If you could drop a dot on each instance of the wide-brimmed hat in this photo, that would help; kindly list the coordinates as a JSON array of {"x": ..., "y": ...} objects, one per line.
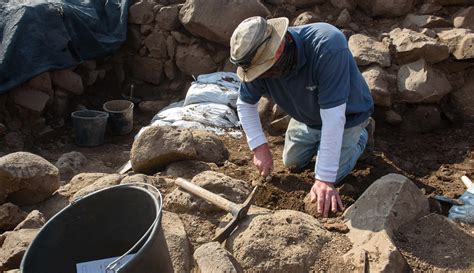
[{"x": 254, "y": 43}]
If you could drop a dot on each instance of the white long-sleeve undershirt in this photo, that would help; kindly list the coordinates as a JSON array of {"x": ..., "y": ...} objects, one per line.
[{"x": 333, "y": 121}]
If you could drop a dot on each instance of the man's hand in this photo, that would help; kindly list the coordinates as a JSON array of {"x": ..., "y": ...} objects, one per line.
[
  {"x": 262, "y": 159},
  {"x": 327, "y": 197}
]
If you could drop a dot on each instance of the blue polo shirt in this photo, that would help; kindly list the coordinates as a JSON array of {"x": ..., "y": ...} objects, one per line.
[{"x": 326, "y": 76}]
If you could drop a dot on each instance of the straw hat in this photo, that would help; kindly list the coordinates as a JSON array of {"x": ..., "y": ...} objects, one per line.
[{"x": 254, "y": 43}]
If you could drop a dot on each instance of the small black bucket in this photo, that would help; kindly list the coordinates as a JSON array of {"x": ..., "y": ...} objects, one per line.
[
  {"x": 121, "y": 116},
  {"x": 89, "y": 127},
  {"x": 112, "y": 222}
]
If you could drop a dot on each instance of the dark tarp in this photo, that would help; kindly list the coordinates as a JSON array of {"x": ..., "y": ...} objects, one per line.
[{"x": 41, "y": 35}]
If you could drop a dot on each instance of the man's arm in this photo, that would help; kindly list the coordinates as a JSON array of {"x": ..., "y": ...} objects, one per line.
[{"x": 250, "y": 120}]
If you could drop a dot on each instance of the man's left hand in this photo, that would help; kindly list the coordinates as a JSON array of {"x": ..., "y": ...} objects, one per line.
[{"x": 327, "y": 197}]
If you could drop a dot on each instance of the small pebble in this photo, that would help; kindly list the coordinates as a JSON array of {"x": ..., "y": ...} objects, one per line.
[{"x": 337, "y": 227}]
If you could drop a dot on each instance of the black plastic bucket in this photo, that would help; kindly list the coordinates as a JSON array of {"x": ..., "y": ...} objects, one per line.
[
  {"x": 112, "y": 222},
  {"x": 89, "y": 127},
  {"x": 121, "y": 116}
]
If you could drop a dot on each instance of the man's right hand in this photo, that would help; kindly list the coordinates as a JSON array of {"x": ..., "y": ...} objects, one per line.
[{"x": 262, "y": 159}]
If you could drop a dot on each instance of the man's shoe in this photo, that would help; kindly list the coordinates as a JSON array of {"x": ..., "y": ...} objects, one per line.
[{"x": 369, "y": 147}]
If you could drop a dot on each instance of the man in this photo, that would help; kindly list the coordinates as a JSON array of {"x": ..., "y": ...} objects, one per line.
[{"x": 310, "y": 73}]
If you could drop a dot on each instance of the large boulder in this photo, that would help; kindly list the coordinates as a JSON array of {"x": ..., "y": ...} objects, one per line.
[
  {"x": 68, "y": 80},
  {"x": 416, "y": 22},
  {"x": 167, "y": 17},
  {"x": 215, "y": 20},
  {"x": 375, "y": 77},
  {"x": 464, "y": 18},
  {"x": 209, "y": 148},
  {"x": 463, "y": 99},
  {"x": 420, "y": 83},
  {"x": 213, "y": 257},
  {"x": 282, "y": 241},
  {"x": 157, "y": 146},
  {"x": 367, "y": 50},
  {"x": 30, "y": 98},
  {"x": 177, "y": 242},
  {"x": 459, "y": 42},
  {"x": 156, "y": 44},
  {"x": 13, "y": 246},
  {"x": 411, "y": 46},
  {"x": 26, "y": 178},
  {"x": 10, "y": 216},
  {"x": 194, "y": 60},
  {"x": 234, "y": 190},
  {"x": 386, "y": 8}
]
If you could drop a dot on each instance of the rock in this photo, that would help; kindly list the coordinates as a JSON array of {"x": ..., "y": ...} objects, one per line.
[
  {"x": 366, "y": 50},
  {"x": 281, "y": 124},
  {"x": 424, "y": 119},
  {"x": 79, "y": 182},
  {"x": 344, "y": 19},
  {"x": 141, "y": 12},
  {"x": 156, "y": 44},
  {"x": 167, "y": 17},
  {"x": 140, "y": 178},
  {"x": 418, "y": 82},
  {"x": 14, "y": 246},
  {"x": 101, "y": 183},
  {"x": 453, "y": 2},
  {"x": 212, "y": 257},
  {"x": 181, "y": 37},
  {"x": 10, "y": 216},
  {"x": 177, "y": 241},
  {"x": 186, "y": 169},
  {"x": 194, "y": 60},
  {"x": 391, "y": 201},
  {"x": 375, "y": 77},
  {"x": 234, "y": 190},
  {"x": 411, "y": 46},
  {"x": 464, "y": 18},
  {"x": 34, "y": 220},
  {"x": 430, "y": 8},
  {"x": 392, "y": 117},
  {"x": 70, "y": 164},
  {"x": 158, "y": 146},
  {"x": 194, "y": 15},
  {"x": 27, "y": 178},
  {"x": 68, "y": 80},
  {"x": 463, "y": 99},
  {"x": 344, "y": 4},
  {"x": 171, "y": 70},
  {"x": 295, "y": 3},
  {"x": 459, "y": 42},
  {"x": 14, "y": 141},
  {"x": 41, "y": 82},
  {"x": 134, "y": 37},
  {"x": 336, "y": 227},
  {"x": 209, "y": 148},
  {"x": 152, "y": 106},
  {"x": 278, "y": 242},
  {"x": 306, "y": 17},
  {"x": 52, "y": 205},
  {"x": 171, "y": 47},
  {"x": 147, "y": 69},
  {"x": 30, "y": 99},
  {"x": 386, "y": 8},
  {"x": 3, "y": 129},
  {"x": 416, "y": 22}
]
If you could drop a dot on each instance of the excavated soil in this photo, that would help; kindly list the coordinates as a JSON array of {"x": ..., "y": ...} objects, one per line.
[{"x": 435, "y": 161}]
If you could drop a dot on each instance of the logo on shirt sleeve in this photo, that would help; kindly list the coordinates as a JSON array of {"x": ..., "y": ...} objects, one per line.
[{"x": 311, "y": 88}]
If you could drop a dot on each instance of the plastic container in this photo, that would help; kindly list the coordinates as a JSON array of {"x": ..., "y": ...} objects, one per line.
[
  {"x": 121, "y": 116},
  {"x": 89, "y": 127},
  {"x": 112, "y": 222}
]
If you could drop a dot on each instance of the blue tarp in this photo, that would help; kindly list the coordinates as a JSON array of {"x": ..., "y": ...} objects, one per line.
[{"x": 41, "y": 35}]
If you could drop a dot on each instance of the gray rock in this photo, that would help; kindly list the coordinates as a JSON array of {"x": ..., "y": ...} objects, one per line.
[
  {"x": 34, "y": 220},
  {"x": 70, "y": 164},
  {"x": 344, "y": 19},
  {"x": 171, "y": 70},
  {"x": 177, "y": 241},
  {"x": 415, "y": 22},
  {"x": 424, "y": 119},
  {"x": 171, "y": 47},
  {"x": 463, "y": 99},
  {"x": 158, "y": 146},
  {"x": 101, "y": 183},
  {"x": 288, "y": 249},
  {"x": 156, "y": 44},
  {"x": 68, "y": 80},
  {"x": 79, "y": 182},
  {"x": 234, "y": 190},
  {"x": 27, "y": 178},
  {"x": 30, "y": 99},
  {"x": 378, "y": 85},
  {"x": 167, "y": 17},
  {"x": 430, "y": 8},
  {"x": 386, "y": 8},
  {"x": 181, "y": 37},
  {"x": 212, "y": 257},
  {"x": 14, "y": 246},
  {"x": 459, "y": 42},
  {"x": 209, "y": 148},
  {"x": 186, "y": 169},
  {"x": 419, "y": 82},
  {"x": 10, "y": 216},
  {"x": 366, "y": 50},
  {"x": 195, "y": 16},
  {"x": 392, "y": 117},
  {"x": 141, "y": 12},
  {"x": 464, "y": 18},
  {"x": 147, "y": 69},
  {"x": 194, "y": 60},
  {"x": 306, "y": 17}
]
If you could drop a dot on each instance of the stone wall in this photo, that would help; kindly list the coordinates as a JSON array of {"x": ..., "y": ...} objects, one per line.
[{"x": 417, "y": 57}]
